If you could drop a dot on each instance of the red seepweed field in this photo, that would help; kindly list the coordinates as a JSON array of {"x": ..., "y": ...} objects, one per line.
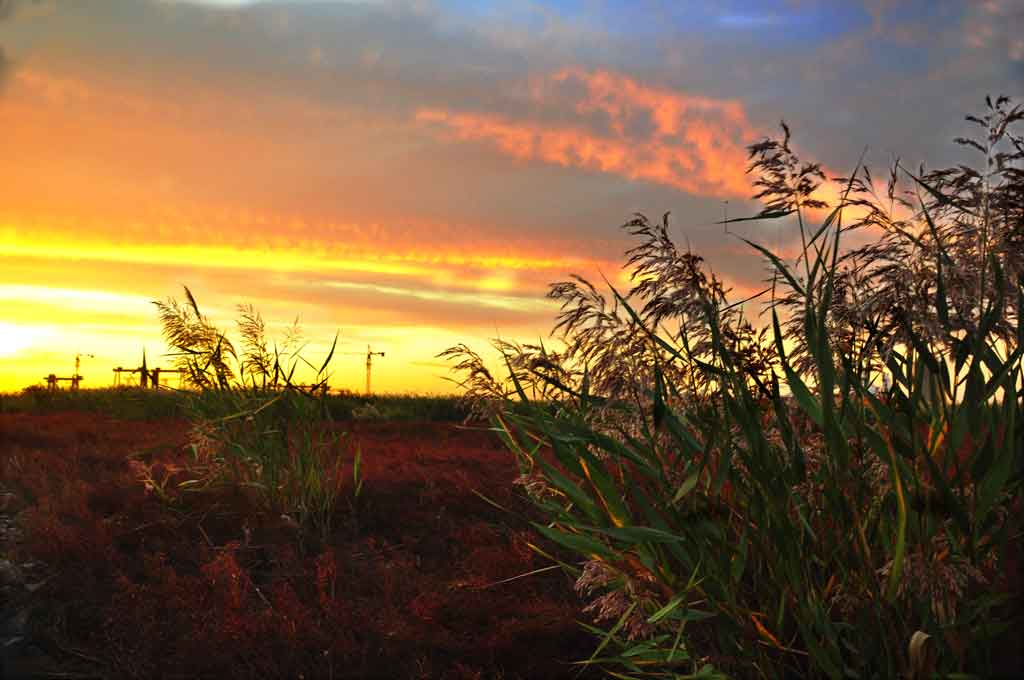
[{"x": 119, "y": 578}]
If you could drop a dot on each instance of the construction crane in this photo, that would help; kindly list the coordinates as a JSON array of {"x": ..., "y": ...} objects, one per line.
[
  {"x": 147, "y": 376},
  {"x": 52, "y": 380},
  {"x": 370, "y": 354},
  {"x": 77, "y": 377},
  {"x": 141, "y": 370}
]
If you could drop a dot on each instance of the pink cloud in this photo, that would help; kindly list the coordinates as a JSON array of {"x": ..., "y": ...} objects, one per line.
[{"x": 690, "y": 142}]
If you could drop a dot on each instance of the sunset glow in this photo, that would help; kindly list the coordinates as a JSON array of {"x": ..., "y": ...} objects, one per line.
[
  {"x": 14, "y": 338},
  {"x": 412, "y": 175}
]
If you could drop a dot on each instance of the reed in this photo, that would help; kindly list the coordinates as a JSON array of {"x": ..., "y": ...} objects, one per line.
[
  {"x": 253, "y": 426},
  {"x": 835, "y": 494}
]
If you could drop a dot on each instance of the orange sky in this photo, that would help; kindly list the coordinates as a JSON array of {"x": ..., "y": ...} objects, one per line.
[{"x": 411, "y": 175}]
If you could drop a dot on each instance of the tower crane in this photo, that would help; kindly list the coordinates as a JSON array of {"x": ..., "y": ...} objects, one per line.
[
  {"x": 370, "y": 354},
  {"x": 148, "y": 377},
  {"x": 141, "y": 370},
  {"x": 77, "y": 377},
  {"x": 52, "y": 380}
]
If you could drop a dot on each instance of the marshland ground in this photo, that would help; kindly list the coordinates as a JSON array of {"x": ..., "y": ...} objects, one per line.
[{"x": 123, "y": 572}]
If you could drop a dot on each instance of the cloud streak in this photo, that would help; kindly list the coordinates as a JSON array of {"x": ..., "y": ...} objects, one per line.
[
  {"x": 6, "y": 10},
  {"x": 689, "y": 142}
]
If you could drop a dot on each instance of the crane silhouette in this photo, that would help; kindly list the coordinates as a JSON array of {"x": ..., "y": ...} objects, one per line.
[
  {"x": 142, "y": 370},
  {"x": 77, "y": 377},
  {"x": 370, "y": 354},
  {"x": 148, "y": 377}
]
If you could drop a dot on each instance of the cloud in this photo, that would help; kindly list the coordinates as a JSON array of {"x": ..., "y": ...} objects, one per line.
[
  {"x": 686, "y": 141},
  {"x": 11, "y": 10},
  {"x": 5, "y": 67},
  {"x": 6, "y": 9},
  {"x": 433, "y": 165},
  {"x": 996, "y": 25}
]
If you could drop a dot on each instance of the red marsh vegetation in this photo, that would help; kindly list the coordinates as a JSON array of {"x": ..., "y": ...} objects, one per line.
[{"x": 133, "y": 576}]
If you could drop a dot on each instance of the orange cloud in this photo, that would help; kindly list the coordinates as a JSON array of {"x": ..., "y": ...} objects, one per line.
[{"x": 693, "y": 143}]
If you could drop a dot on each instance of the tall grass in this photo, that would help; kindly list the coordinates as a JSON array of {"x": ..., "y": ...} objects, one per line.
[
  {"x": 252, "y": 425},
  {"x": 833, "y": 495}
]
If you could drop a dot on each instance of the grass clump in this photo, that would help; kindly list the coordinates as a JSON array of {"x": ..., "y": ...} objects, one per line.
[
  {"x": 253, "y": 426},
  {"x": 834, "y": 495}
]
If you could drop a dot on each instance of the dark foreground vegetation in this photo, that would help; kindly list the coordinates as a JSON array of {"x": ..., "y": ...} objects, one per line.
[{"x": 834, "y": 495}]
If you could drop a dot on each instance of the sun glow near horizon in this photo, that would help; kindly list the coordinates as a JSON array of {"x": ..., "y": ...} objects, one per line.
[{"x": 15, "y": 338}]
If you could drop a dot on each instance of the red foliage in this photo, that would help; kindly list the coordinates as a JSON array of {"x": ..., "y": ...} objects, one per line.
[
  {"x": 228, "y": 582},
  {"x": 214, "y": 588}
]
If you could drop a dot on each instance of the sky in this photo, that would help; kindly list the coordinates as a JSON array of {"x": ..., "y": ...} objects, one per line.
[{"x": 411, "y": 174}]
